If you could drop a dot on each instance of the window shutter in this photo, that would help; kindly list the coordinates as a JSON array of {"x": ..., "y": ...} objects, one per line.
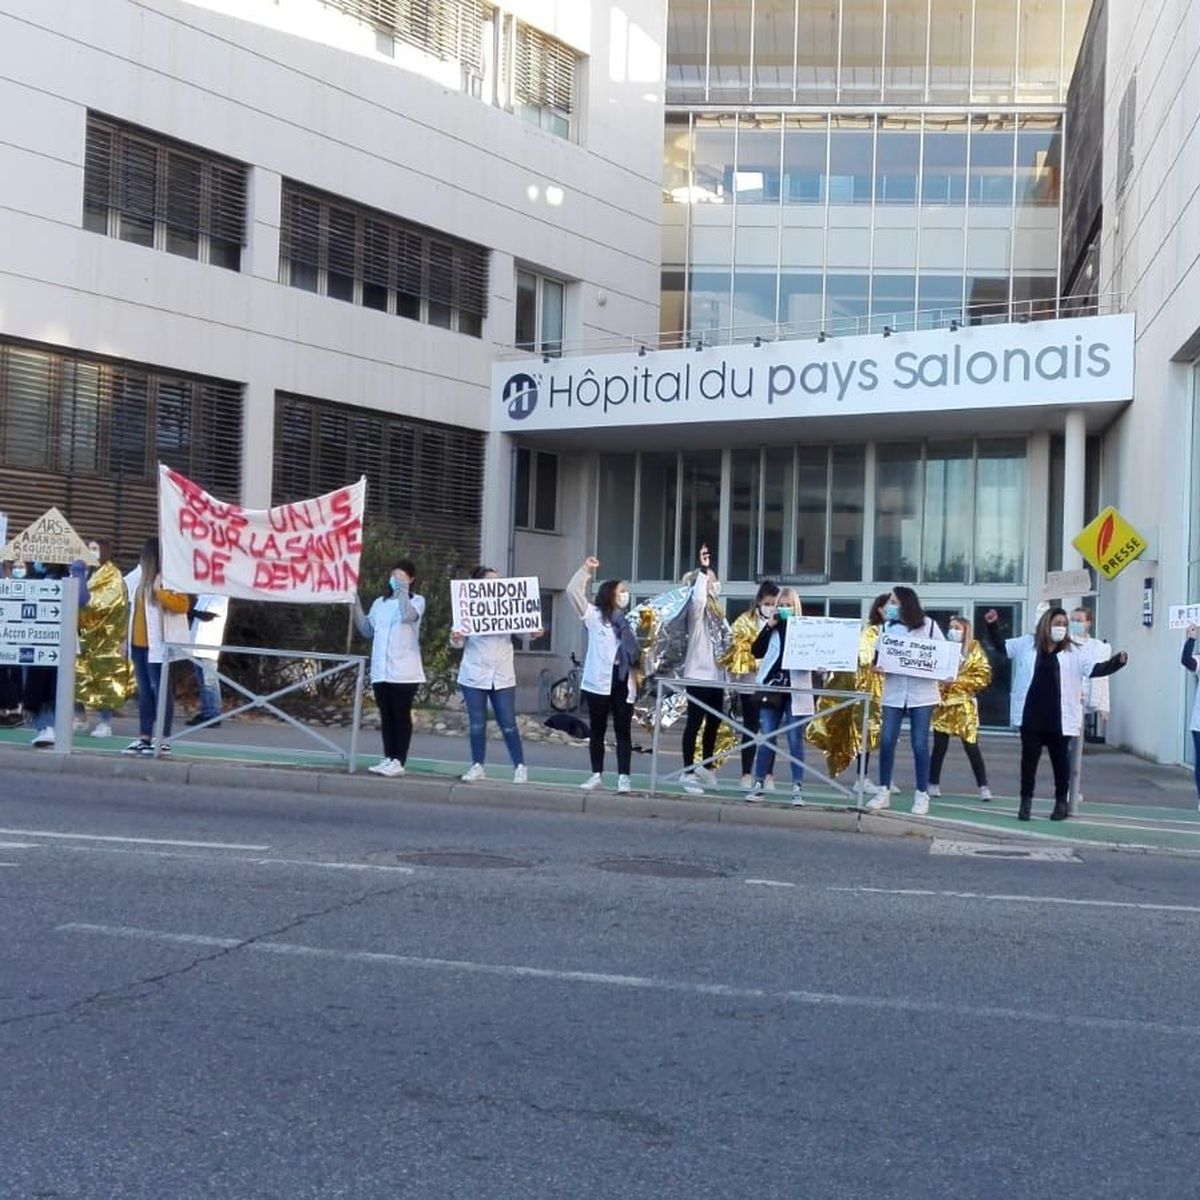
[
  {"x": 227, "y": 201},
  {"x": 98, "y": 174},
  {"x": 471, "y": 280},
  {"x": 544, "y": 71},
  {"x": 450, "y": 29},
  {"x": 300, "y": 229}
]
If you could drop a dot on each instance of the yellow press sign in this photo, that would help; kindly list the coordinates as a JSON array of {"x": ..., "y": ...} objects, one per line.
[{"x": 1110, "y": 543}]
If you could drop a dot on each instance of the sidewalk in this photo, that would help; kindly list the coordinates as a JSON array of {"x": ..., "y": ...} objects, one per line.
[{"x": 1127, "y": 802}]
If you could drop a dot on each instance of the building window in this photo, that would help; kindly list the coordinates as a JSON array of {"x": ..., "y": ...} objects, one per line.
[
  {"x": 147, "y": 189},
  {"x": 536, "y": 491},
  {"x": 423, "y": 478},
  {"x": 539, "y": 323},
  {"x": 451, "y": 30},
  {"x": 543, "y": 80},
  {"x": 85, "y": 434},
  {"x": 345, "y": 251}
]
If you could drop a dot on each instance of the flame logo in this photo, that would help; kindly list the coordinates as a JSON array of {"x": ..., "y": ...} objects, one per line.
[{"x": 1105, "y": 536}]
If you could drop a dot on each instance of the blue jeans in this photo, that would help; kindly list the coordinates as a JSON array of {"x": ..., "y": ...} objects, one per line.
[
  {"x": 1196, "y": 757},
  {"x": 918, "y": 729},
  {"x": 209, "y": 688},
  {"x": 769, "y": 720},
  {"x": 504, "y": 705},
  {"x": 148, "y": 675}
]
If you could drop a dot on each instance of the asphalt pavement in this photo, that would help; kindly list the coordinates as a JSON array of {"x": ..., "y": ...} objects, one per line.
[{"x": 233, "y": 993}]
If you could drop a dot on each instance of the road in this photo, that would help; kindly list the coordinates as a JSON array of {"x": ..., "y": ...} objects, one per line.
[{"x": 239, "y": 994}]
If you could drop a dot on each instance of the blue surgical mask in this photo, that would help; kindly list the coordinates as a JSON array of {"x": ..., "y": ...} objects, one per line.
[
  {"x": 1078, "y": 629},
  {"x": 891, "y": 612},
  {"x": 394, "y": 583},
  {"x": 18, "y": 572},
  {"x": 784, "y": 612}
]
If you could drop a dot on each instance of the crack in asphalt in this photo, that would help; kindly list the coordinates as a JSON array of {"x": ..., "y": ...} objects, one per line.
[{"x": 159, "y": 980}]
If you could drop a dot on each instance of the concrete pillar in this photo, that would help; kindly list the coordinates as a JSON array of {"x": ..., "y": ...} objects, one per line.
[
  {"x": 1074, "y": 469},
  {"x": 258, "y": 443},
  {"x": 497, "y": 533}
]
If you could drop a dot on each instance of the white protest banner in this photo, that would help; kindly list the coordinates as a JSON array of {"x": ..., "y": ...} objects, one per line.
[
  {"x": 1180, "y": 616},
  {"x": 923, "y": 658},
  {"x": 50, "y": 539},
  {"x": 302, "y": 553},
  {"x": 1067, "y": 583},
  {"x": 821, "y": 644},
  {"x": 496, "y": 605}
]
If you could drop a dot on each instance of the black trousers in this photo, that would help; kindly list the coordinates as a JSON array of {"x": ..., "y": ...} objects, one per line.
[
  {"x": 714, "y": 697},
  {"x": 395, "y": 701},
  {"x": 1059, "y": 748},
  {"x": 750, "y": 711},
  {"x": 941, "y": 743},
  {"x": 616, "y": 704}
]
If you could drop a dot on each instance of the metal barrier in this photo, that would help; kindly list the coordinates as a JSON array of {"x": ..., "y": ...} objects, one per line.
[
  {"x": 756, "y": 738},
  {"x": 185, "y": 652}
]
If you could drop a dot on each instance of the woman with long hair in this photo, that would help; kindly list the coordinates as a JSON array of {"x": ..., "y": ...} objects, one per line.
[
  {"x": 906, "y": 694},
  {"x": 1051, "y": 667},
  {"x": 394, "y": 627},
  {"x": 157, "y": 616},
  {"x": 485, "y": 674},
  {"x": 958, "y": 713},
  {"x": 743, "y": 666},
  {"x": 700, "y": 662},
  {"x": 609, "y": 669}
]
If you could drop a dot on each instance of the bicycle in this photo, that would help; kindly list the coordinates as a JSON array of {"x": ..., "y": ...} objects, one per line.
[{"x": 565, "y": 694}]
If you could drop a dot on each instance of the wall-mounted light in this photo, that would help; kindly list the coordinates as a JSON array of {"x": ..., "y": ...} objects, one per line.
[
  {"x": 821, "y": 336},
  {"x": 954, "y": 326},
  {"x": 887, "y": 331},
  {"x": 757, "y": 342},
  {"x": 641, "y": 352},
  {"x": 699, "y": 345},
  {"x": 545, "y": 358}
]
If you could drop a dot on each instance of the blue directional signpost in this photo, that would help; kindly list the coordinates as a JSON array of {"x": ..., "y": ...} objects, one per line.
[{"x": 31, "y": 612}]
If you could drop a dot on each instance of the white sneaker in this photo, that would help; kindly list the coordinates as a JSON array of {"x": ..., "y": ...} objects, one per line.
[
  {"x": 746, "y": 781},
  {"x": 103, "y": 729},
  {"x": 393, "y": 768},
  {"x": 44, "y": 737},
  {"x": 521, "y": 774},
  {"x": 769, "y": 783},
  {"x": 985, "y": 793},
  {"x": 881, "y": 799},
  {"x": 797, "y": 796},
  {"x": 690, "y": 782},
  {"x": 475, "y": 774},
  {"x": 935, "y": 789},
  {"x": 755, "y": 794},
  {"x": 705, "y": 776},
  {"x": 381, "y": 767},
  {"x": 623, "y": 784},
  {"x": 920, "y": 804},
  {"x": 896, "y": 789},
  {"x": 79, "y": 724},
  {"x": 593, "y": 781}
]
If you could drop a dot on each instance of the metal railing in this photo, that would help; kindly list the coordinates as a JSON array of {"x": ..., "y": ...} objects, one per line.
[
  {"x": 186, "y": 652},
  {"x": 665, "y": 688}
]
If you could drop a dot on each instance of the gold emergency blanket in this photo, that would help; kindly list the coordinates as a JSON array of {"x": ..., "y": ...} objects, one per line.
[
  {"x": 102, "y": 673},
  {"x": 958, "y": 713},
  {"x": 839, "y": 735},
  {"x": 738, "y": 660}
]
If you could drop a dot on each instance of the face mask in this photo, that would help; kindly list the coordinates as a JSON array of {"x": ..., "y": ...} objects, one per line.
[
  {"x": 18, "y": 572},
  {"x": 1058, "y": 633},
  {"x": 1078, "y": 629},
  {"x": 767, "y": 610},
  {"x": 891, "y": 612},
  {"x": 784, "y": 611},
  {"x": 954, "y": 634},
  {"x": 394, "y": 583},
  {"x": 622, "y": 599},
  {"x": 39, "y": 568}
]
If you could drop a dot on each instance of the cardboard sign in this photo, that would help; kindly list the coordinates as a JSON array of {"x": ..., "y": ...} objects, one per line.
[
  {"x": 496, "y": 605},
  {"x": 302, "y": 553},
  {"x": 923, "y": 658},
  {"x": 1109, "y": 543},
  {"x": 821, "y": 644},
  {"x": 1180, "y": 616},
  {"x": 50, "y": 539},
  {"x": 1067, "y": 583}
]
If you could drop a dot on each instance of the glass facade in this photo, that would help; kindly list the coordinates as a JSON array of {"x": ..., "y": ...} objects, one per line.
[{"x": 817, "y": 175}]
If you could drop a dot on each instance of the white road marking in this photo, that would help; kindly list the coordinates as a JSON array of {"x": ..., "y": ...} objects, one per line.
[
  {"x": 237, "y": 858},
  {"x": 18, "y": 846},
  {"x": 771, "y": 883},
  {"x": 4, "y": 864},
  {"x": 1003, "y": 898},
  {"x": 1024, "y": 853},
  {"x": 139, "y": 841},
  {"x": 835, "y": 1000}
]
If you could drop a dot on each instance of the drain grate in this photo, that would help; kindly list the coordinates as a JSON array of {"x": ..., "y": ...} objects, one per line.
[
  {"x": 660, "y": 868},
  {"x": 465, "y": 859}
]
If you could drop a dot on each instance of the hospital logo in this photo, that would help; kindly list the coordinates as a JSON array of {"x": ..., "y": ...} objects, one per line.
[{"x": 520, "y": 395}]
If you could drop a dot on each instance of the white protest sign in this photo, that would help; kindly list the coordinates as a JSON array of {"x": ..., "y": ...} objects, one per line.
[
  {"x": 1067, "y": 583},
  {"x": 496, "y": 605},
  {"x": 924, "y": 658},
  {"x": 821, "y": 644},
  {"x": 1180, "y": 616},
  {"x": 50, "y": 539},
  {"x": 302, "y": 553}
]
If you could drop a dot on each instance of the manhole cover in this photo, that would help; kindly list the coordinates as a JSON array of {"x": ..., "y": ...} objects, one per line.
[
  {"x": 661, "y": 868},
  {"x": 462, "y": 858},
  {"x": 1036, "y": 853}
]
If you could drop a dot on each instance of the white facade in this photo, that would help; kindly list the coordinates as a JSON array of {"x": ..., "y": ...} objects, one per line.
[
  {"x": 1151, "y": 252},
  {"x": 295, "y": 90}
]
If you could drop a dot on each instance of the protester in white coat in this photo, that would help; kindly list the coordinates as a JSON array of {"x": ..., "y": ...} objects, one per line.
[{"x": 209, "y": 615}]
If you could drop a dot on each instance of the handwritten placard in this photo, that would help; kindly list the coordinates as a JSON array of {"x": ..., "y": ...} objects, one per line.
[
  {"x": 302, "y": 553},
  {"x": 821, "y": 644},
  {"x": 496, "y": 605},
  {"x": 923, "y": 658},
  {"x": 1180, "y": 616}
]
